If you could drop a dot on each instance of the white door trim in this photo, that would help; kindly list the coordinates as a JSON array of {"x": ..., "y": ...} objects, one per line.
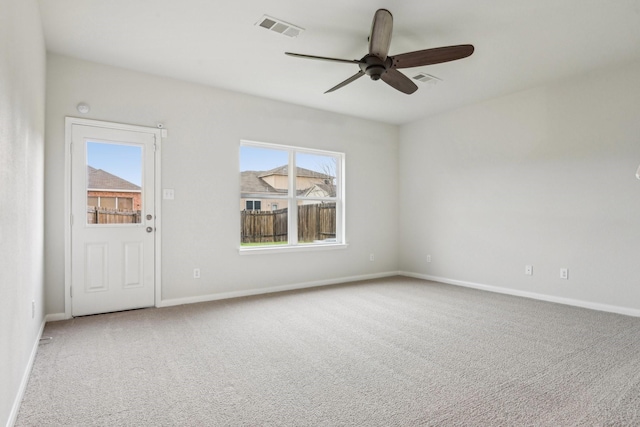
[{"x": 69, "y": 122}]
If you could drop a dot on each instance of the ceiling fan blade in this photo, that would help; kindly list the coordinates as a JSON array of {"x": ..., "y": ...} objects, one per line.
[
  {"x": 432, "y": 56},
  {"x": 346, "y": 82},
  {"x": 380, "y": 37},
  {"x": 322, "y": 58},
  {"x": 399, "y": 81}
]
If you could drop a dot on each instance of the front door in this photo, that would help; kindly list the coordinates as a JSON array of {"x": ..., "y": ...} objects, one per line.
[{"x": 113, "y": 219}]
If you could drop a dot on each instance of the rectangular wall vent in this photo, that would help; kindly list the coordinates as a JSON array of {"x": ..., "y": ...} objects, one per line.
[
  {"x": 426, "y": 78},
  {"x": 279, "y": 26}
]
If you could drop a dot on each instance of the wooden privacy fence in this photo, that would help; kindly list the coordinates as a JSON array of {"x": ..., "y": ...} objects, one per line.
[
  {"x": 264, "y": 226},
  {"x": 315, "y": 222},
  {"x": 96, "y": 215}
]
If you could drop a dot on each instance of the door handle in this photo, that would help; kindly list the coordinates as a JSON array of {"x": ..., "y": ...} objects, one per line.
[{"x": 149, "y": 229}]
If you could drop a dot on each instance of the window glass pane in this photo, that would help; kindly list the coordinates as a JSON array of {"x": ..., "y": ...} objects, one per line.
[
  {"x": 264, "y": 175},
  {"x": 316, "y": 222},
  {"x": 114, "y": 183},
  {"x": 316, "y": 175}
]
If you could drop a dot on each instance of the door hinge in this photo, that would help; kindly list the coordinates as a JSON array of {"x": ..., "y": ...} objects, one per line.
[{"x": 71, "y": 291}]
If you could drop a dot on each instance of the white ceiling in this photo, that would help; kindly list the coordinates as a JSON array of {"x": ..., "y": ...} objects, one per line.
[{"x": 519, "y": 44}]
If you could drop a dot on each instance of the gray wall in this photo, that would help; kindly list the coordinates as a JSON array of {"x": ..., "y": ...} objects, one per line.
[
  {"x": 542, "y": 177},
  {"x": 200, "y": 162},
  {"x": 22, "y": 92}
]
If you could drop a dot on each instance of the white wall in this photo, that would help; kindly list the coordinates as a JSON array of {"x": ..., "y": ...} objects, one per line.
[
  {"x": 200, "y": 162},
  {"x": 22, "y": 91},
  {"x": 542, "y": 177}
]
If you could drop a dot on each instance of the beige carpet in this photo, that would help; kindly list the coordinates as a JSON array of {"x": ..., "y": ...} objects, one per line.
[{"x": 393, "y": 352}]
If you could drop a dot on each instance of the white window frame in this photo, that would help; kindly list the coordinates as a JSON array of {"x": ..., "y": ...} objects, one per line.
[{"x": 292, "y": 201}]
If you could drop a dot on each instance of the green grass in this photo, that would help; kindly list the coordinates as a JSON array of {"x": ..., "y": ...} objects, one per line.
[
  {"x": 263, "y": 244},
  {"x": 273, "y": 243}
]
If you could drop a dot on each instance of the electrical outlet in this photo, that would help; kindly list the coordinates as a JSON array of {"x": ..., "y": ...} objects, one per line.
[
  {"x": 196, "y": 273},
  {"x": 528, "y": 270},
  {"x": 428, "y": 258},
  {"x": 564, "y": 273},
  {"x": 372, "y": 257}
]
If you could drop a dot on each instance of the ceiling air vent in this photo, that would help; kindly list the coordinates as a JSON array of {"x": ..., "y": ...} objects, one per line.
[
  {"x": 427, "y": 78},
  {"x": 279, "y": 26}
]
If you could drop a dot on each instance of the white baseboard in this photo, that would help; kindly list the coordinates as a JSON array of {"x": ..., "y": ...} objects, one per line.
[
  {"x": 55, "y": 317},
  {"x": 260, "y": 291},
  {"x": 13, "y": 415},
  {"x": 533, "y": 295}
]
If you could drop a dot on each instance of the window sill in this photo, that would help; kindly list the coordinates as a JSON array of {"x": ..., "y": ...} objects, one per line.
[{"x": 285, "y": 249}]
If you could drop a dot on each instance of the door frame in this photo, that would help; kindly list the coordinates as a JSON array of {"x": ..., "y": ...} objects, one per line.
[{"x": 158, "y": 134}]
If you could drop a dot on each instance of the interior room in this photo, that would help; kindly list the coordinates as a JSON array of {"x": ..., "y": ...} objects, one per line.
[{"x": 505, "y": 172}]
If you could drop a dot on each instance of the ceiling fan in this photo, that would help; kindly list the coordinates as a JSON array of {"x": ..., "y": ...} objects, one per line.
[{"x": 378, "y": 65}]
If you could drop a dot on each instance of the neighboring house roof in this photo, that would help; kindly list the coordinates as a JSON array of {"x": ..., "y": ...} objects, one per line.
[
  {"x": 101, "y": 180},
  {"x": 250, "y": 182},
  {"x": 282, "y": 170}
]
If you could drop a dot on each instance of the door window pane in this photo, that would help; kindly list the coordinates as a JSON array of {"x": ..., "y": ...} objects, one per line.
[{"x": 114, "y": 183}]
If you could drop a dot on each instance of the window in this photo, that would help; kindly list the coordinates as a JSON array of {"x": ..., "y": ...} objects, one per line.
[
  {"x": 113, "y": 203},
  {"x": 125, "y": 203},
  {"x": 253, "y": 205},
  {"x": 108, "y": 202},
  {"x": 301, "y": 191}
]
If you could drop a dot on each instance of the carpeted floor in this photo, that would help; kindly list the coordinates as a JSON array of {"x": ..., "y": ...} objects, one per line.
[{"x": 388, "y": 352}]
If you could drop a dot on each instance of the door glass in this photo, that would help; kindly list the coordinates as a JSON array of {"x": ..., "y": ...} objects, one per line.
[{"x": 114, "y": 183}]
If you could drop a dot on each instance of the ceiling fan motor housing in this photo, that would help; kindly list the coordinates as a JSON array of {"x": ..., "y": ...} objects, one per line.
[{"x": 374, "y": 67}]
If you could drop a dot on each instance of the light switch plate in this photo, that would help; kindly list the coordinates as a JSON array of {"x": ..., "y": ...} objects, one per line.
[{"x": 167, "y": 194}]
